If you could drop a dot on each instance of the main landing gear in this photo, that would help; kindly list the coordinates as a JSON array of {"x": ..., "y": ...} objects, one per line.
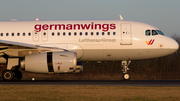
[
  {"x": 125, "y": 64},
  {"x": 12, "y": 74},
  {"x": 9, "y": 75}
]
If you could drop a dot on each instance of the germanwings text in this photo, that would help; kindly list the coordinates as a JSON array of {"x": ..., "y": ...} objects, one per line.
[{"x": 91, "y": 26}]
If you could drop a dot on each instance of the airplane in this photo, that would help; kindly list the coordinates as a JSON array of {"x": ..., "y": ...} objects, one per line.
[{"x": 63, "y": 46}]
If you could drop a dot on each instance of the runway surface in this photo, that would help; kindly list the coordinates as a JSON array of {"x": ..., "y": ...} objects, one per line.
[{"x": 96, "y": 83}]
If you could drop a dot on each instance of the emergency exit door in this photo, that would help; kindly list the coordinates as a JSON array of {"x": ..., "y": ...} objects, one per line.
[
  {"x": 44, "y": 35},
  {"x": 126, "y": 34},
  {"x": 35, "y": 36}
]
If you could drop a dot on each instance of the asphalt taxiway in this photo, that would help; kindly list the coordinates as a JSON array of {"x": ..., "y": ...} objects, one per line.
[{"x": 95, "y": 82}]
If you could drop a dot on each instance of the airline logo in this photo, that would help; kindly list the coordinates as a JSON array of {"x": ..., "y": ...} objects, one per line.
[
  {"x": 90, "y": 26},
  {"x": 150, "y": 42}
]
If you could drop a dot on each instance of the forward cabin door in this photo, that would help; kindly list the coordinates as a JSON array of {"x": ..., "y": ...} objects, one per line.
[{"x": 126, "y": 34}]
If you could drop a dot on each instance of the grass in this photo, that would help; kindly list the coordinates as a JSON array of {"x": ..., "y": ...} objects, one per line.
[{"x": 88, "y": 93}]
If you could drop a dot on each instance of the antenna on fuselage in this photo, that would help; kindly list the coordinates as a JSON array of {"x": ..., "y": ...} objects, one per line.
[{"x": 121, "y": 18}]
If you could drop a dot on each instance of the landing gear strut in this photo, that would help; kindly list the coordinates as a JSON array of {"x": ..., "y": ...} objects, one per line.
[
  {"x": 125, "y": 64},
  {"x": 17, "y": 75}
]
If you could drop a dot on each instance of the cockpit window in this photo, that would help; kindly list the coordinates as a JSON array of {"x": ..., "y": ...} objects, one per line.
[
  {"x": 161, "y": 33},
  {"x": 154, "y": 32},
  {"x": 148, "y": 32}
]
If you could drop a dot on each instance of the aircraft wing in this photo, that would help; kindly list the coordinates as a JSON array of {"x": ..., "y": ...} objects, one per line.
[{"x": 17, "y": 44}]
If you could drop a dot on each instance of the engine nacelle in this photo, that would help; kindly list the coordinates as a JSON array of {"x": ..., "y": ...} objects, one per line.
[{"x": 50, "y": 62}]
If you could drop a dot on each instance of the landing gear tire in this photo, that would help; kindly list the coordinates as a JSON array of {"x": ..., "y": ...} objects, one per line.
[
  {"x": 8, "y": 75},
  {"x": 126, "y": 76},
  {"x": 18, "y": 75}
]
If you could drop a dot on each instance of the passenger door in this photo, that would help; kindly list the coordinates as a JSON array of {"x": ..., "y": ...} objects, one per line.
[{"x": 126, "y": 34}]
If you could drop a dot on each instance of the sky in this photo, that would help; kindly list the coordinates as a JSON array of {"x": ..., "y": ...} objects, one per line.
[{"x": 164, "y": 14}]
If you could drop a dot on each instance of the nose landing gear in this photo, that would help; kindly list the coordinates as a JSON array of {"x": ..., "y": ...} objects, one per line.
[{"x": 125, "y": 64}]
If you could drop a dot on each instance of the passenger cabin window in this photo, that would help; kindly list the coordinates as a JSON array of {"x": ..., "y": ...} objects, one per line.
[
  {"x": 58, "y": 33},
  {"x": 12, "y": 34},
  {"x": 7, "y": 34},
  {"x": 97, "y": 33},
  {"x": 64, "y": 33},
  {"x": 52, "y": 33},
  {"x": 29, "y": 34},
  {"x": 23, "y": 34},
  {"x": 91, "y": 33},
  {"x": 69, "y": 33},
  {"x": 86, "y": 33},
  {"x": 1, "y": 34},
  {"x": 75, "y": 33},
  {"x": 114, "y": 33},
  {"x": 108, "y": 33},
  {"x": 44, "y": 33},
  {"x": 80, "y": 33},
  {"x": 102, "y": 33},
  {"x": 36, "y": 33}
]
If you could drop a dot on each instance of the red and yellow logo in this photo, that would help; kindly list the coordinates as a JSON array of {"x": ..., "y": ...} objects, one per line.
[{"x": 150, "y": 42}]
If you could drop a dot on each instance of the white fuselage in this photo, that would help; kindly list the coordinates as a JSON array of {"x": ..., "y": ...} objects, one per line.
[{"x": 116, "y": 39}]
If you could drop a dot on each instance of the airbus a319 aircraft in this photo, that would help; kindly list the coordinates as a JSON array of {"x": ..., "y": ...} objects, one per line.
[{"x": 63, "y": 46}]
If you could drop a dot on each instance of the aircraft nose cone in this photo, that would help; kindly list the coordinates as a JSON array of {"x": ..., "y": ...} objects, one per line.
[{"x": 174, "y": 45}]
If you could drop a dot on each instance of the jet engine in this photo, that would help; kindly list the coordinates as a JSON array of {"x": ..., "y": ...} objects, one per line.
[{"x": 50, "y": 62}]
